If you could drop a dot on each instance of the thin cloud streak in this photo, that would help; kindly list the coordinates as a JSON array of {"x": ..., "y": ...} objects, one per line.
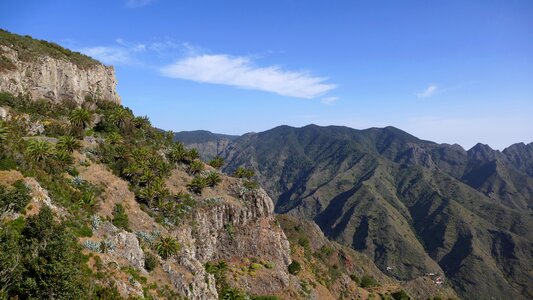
[
  {"x": 428, "y": 92},
  {"x": 137, "y": 3},
  {"x": 243, "y": 73}
]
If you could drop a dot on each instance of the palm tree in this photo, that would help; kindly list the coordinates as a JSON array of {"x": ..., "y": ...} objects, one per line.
[
  {"x": 141, "y": 122},
  {"x": 114, "y": 138},
  {"x": 166, "y": 247},
  {"x": 119, "y": 117},
  {"x": 177, "y": 153},
  {"x": 80, "y": 117},
  {"x": 39, "y": 150},
  {"x": 68, "y": 143}
]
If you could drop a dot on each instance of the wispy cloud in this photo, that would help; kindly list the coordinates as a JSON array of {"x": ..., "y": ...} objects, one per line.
[
  {"x": 242, "y": 72},
  {"x": 109, "y": 55},
  {"x": 428, "y": 92},
  {"x": 329, "y": 100},
  {"x": 123, "y": 52},
  {"x": 137, "y": 3}
]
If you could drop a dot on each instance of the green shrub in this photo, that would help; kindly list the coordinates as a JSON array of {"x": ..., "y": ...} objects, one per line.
[
  {"x": 217, "y": 162},
  {"x": 150, "y": 262},
  {"x": 400, "y": 295},
  {"x": 243, "y": 173},
  {"x": 294, "y": 268},
  {"x": 368, "y": 281},
  {"x": 213, "y": 178},
  {"x": 16, "y": 197},
  {"x": 197, "y": 185},
  {"x": 120, "y": 218}
]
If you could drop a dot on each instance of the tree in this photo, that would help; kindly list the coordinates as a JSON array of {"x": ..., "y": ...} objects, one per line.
[
  {"x": 48, "y": 260},
  {"x": 68, "y": 143},
  {"x": 80, "y": 117},
  {"x": 166, "y": 247},
  {"x": 38, "y": 150},
  {"x": 119, "y": 117},
  {"x": 217, "y": 162}
]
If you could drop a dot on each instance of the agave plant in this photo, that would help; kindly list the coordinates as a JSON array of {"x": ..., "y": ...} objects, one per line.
[
  {"x": 166, "y": 247},
  {"x": 68, "y": 143},
  {"x": 39, "y": 150}
]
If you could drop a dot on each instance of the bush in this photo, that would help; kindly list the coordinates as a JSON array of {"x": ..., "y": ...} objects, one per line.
[
  {"x": 368, "y": 281},
  {"x": 216, "y": 162},
  {"x": 213, "y": 178},
  {"x": 243, "y": 173},
  {"x": 120, "y": 218},
  {"x": 197, "y": 185},
  {"x": 294, "y": 268},
  {"x": 150, "y": 262},
  {"x": 15, "y": 198},
  {"x": 400, "y": 295}
]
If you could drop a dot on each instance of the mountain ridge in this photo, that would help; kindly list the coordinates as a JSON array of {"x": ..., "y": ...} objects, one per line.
[{"x": 404, "y": 201}]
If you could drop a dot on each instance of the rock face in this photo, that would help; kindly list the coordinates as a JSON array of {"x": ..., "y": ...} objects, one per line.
[{"x": 56, "y": 79}]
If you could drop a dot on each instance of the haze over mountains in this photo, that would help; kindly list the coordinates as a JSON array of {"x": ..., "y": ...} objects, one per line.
[{"x": 414, "y": 206}]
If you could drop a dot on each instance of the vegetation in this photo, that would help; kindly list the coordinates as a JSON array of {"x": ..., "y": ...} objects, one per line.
[
  {"x": 167, "y": 247},
  {"x": 14, "y": 198},
  {"x": 41, "y": 259},
  {"x": 150, "y": 261},
  {"x": 217, "y": 162},
  {"x": 120, "y": 218},
  {"x": 294, "y": 268},
  {"x": 30, "y": 49}
]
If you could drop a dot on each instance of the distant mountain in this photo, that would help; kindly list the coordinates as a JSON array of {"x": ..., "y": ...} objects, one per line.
[
  {"x": 208, "y": 143},
  {"x": 414, "y": 206}
]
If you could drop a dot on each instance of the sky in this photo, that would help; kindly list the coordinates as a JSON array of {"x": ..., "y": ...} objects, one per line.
[{"x": 447, "y": 71}]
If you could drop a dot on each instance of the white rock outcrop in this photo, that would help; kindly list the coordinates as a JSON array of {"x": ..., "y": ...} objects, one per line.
[{"x": 57, "y": 79}]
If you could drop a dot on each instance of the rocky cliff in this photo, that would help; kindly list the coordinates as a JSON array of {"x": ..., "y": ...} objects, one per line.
[{"x": 44, "y": 70}]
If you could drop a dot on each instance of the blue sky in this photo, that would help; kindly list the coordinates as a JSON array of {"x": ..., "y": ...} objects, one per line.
[{"x": 447, "y": 71}]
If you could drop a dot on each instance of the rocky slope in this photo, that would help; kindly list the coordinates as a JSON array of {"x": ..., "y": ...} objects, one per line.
[
  {"x": 414, "y": 206},
  {"x": 44, "y": 70}
]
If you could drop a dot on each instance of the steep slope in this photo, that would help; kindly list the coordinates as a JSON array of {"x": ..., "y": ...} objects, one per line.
[
  {"x": 41, "y": 69},
  {"x": 414, "y": 206},
  {"x": 207, "y": 143}
]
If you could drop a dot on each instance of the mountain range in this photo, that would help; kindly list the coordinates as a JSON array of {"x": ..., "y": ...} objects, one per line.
[{"x": 414, "y": 206}]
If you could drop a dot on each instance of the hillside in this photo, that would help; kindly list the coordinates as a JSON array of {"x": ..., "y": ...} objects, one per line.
[
  {"x": 414, "y": 206},
  {"x": 95, "y": 203}
]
